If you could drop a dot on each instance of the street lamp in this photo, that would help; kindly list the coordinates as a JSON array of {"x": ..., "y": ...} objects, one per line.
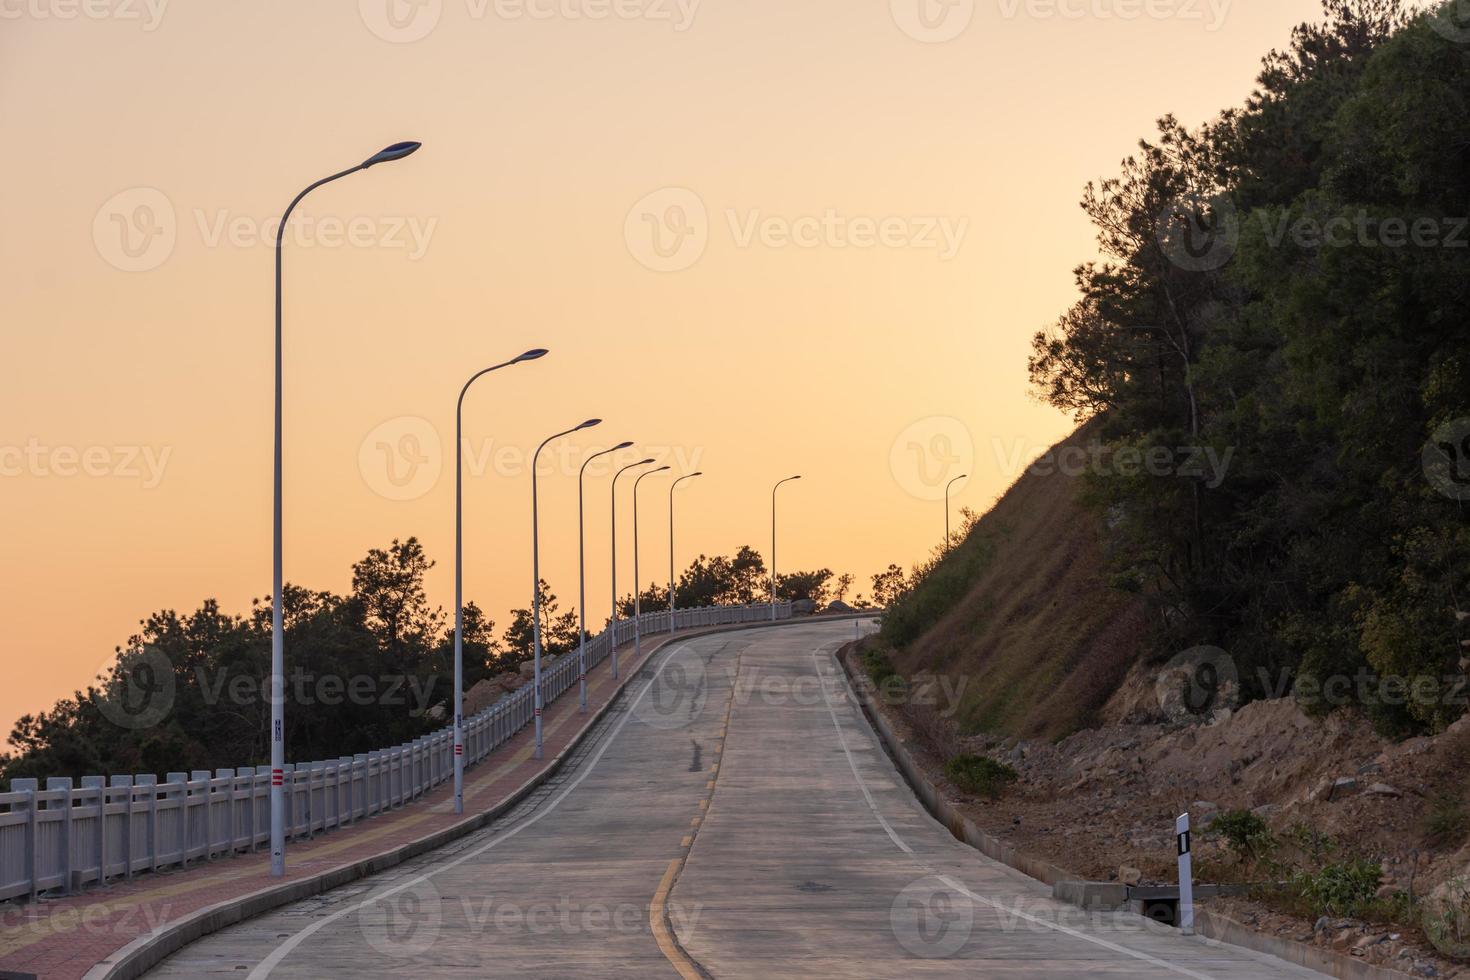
[
  {"x": 536, "y": 566},
  {"x": 637, "y": 594},
  {"x": 951, "y": 483},
  {"x": 613, "y": 622},
  {"x": 278, "y": 629},
  {"x": 672, "y": 486},
  {"x": 582, "y": 574},
  {"x": 773, "y": 541},
  {"x": 530, "y": 355}
]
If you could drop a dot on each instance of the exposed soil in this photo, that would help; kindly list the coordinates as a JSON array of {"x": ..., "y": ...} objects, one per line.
[{"x": 1105, "y": 799}]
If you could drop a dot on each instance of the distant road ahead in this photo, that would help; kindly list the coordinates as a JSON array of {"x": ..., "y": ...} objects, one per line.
[{"x": 733, "y": 816}]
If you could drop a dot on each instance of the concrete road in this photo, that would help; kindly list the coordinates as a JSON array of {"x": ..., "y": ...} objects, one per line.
[{"x": 733, "y": 816}]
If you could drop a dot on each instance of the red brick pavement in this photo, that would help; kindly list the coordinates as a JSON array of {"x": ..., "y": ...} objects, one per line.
[{"x": 62, "y": 938}]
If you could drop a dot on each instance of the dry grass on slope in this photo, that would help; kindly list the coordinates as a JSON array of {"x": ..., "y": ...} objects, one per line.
[{"x": 1040, "y": 639}]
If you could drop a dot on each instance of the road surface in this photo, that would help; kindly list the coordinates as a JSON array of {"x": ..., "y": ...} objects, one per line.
[{"x": 733, "y": 816}]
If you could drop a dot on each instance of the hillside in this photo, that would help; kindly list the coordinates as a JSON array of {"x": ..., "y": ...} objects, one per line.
[{"x": 1022, "y": 613}]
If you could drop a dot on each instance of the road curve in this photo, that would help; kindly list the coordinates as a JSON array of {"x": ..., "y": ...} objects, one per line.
[{"x": 732, "y": 816}]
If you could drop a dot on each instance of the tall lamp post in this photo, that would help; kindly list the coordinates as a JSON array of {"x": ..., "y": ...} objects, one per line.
[
  {"x": 582, "y": 574},
  {"x": 773, "y": 541},
  {"x": 672, "y": 487},
  {"x": 278, "y": 647},
  {"x": 951, "y": 483},
  {"x": 612, "y": 623},
  {"x": 638, "y": 595},
  {"x": 529, "y": 355},
  {"x": 536, "y": 566}
]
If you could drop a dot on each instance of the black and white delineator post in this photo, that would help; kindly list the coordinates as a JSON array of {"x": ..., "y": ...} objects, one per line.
[{"x": 1186, "y": 875}]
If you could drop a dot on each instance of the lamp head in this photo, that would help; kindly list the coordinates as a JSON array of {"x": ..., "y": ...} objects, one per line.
[
  {"x": 622, "y": 445},
  {"x": 644, "y": 462},
  {"x": 659, "y": 470},
  {"x": 531, "y": 355},
  {"x": 389, "y": 153},
  {"x": 588, "y": 424},
  {"x": 697, "y": 473}
]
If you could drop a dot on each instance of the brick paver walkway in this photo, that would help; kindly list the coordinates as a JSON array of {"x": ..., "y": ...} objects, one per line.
[{"x": 62, "y": 938}]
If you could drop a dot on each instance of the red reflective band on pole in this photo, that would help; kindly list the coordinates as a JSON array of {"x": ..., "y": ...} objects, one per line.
[
  {"x": 459, "y": 750},
  {"x": 581, "y": 677},
  {"x": 538, "y": 712},
  {"x": 278, "y": 777}
]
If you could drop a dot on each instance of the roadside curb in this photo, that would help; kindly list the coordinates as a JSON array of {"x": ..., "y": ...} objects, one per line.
[
  {"x": 147, "y": 951},
  {"x": 1211, "y": 926}
]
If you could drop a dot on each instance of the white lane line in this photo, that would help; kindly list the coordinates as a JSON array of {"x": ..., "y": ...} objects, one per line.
[
  {"x": 958, "y": 886},
  {"x": 264, "y": 968}
]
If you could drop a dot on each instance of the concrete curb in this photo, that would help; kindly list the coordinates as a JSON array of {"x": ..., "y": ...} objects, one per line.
[
  {"x": 1212, "y": 926},
  {"x": 147, "y": 951}
]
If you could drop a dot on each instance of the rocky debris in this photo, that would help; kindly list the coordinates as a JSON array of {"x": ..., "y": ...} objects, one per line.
[
  {"x": 1129, "y": 876},
  {"x": 1383, "y": 789}
]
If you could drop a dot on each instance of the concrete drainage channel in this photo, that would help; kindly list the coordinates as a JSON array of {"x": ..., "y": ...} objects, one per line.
[{"x": 1159, "y": 904}]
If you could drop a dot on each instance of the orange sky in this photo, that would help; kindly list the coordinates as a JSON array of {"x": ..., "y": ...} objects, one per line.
[{"x": 764, "y": 237}]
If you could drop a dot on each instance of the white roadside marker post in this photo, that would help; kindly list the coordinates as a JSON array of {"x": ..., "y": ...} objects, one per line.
[{"x": 1186, "y": 875}]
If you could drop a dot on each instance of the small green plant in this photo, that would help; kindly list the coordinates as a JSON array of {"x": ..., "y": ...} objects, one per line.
[
  {"x": 1342, "y": 888},
  {"x": 1446, "y": 918},
  {"x": 1313, "y": 843},
  {"x": 878, "y": 666},
  {"x": 980, "y": 775},
  {"x": 1246, "y": 834}
]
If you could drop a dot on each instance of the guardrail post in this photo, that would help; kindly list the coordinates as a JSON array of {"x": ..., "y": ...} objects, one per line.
[
  {"x": 29, "y": 786},
  {"x": 119, "y": 782},
  {"x": 206, "y": 805},
  {"x": 182, "y": 780},
  {"x": 149, "y": 783},
  {"x": 100, "y": 785},
  {"x": 68, "y": 845}
]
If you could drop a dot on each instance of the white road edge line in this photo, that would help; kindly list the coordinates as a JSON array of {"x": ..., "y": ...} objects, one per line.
[
  {"x": 958, "y": 886},
  {"x": 264, "y": 968}
]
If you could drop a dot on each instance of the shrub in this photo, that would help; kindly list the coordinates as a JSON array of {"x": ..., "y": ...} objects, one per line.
[
  {"x": 980, "y": 775},
  {"x": 1245, "y": 834},
  {"x": 878, "y": 666},
  {"x": 1447, "y": 822},
  {"x": 1343, "y": 888}
]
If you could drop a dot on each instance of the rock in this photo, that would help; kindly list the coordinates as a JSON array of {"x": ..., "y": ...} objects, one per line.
[
  {"x": 1343, "y": 786},
  {"x": 1386, "y": 892},
  {"x": 1129, "y": 876},
  {"x": 838, "y": 606},
  {"x": 527, "y": 669},
  {"x": 1267, "y": 810},
  {"x": 1322, "y": 924},
  {"x": 803, "y": 607},
  {"x": 1383, "y": 789}
]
